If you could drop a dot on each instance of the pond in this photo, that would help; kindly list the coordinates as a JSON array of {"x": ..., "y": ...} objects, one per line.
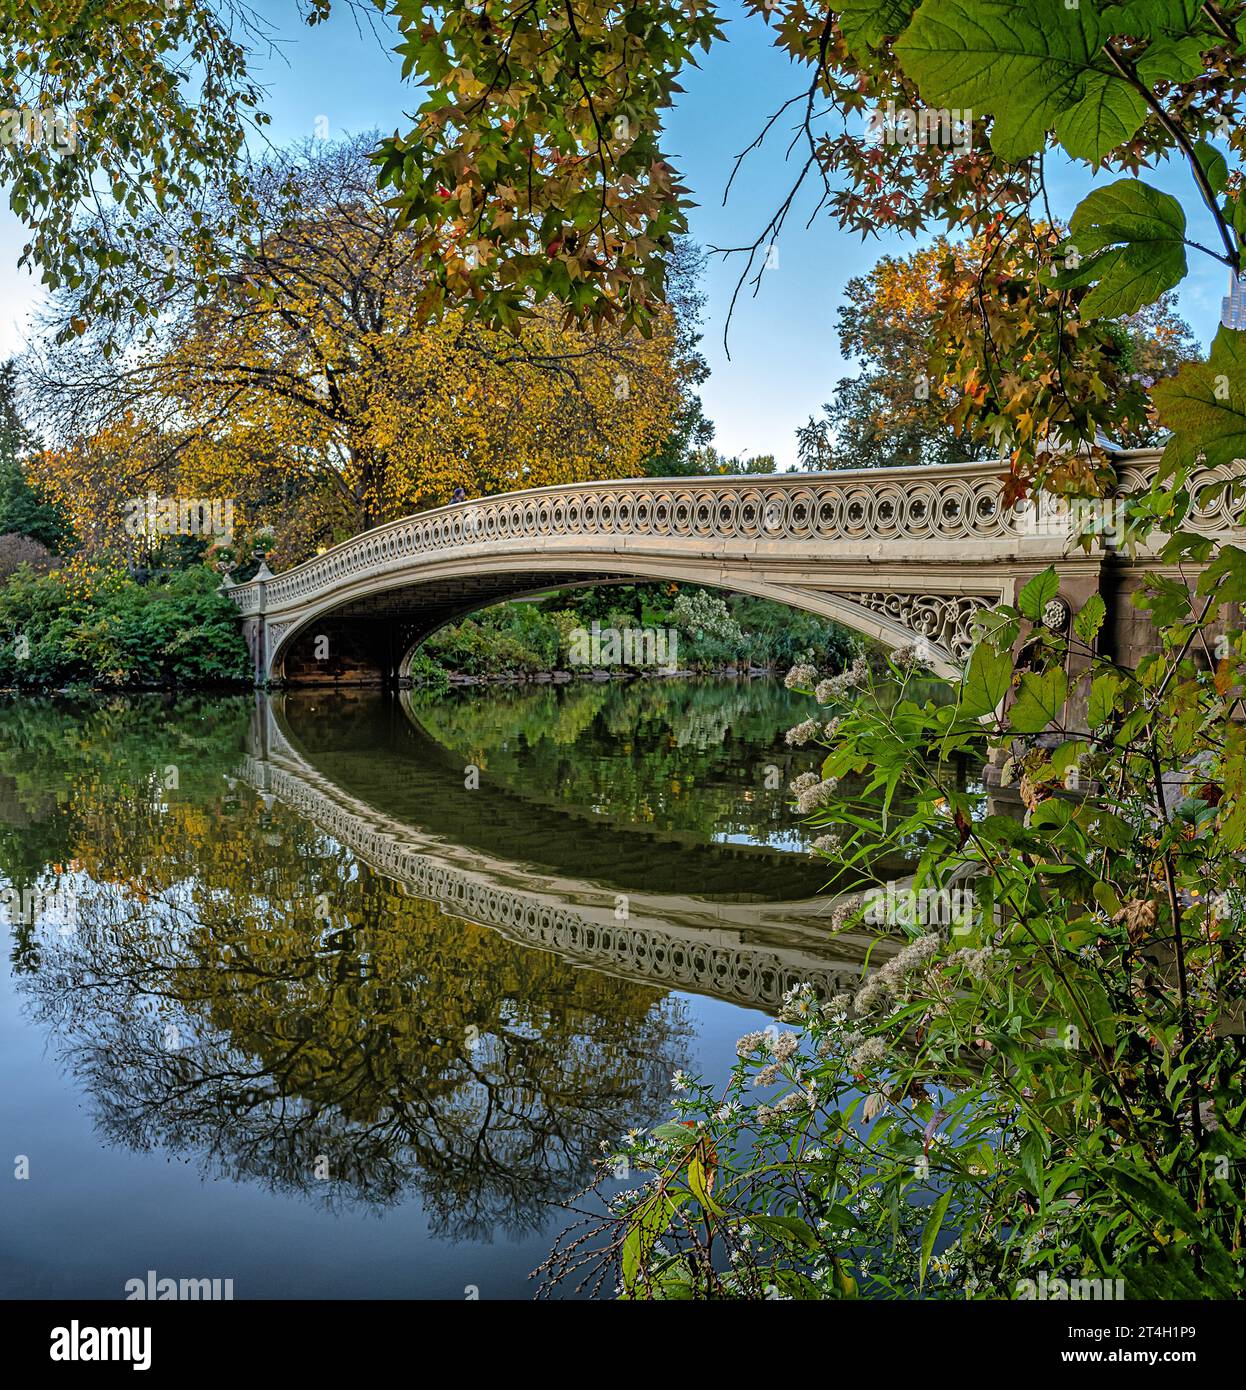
[{"x": 339, "y": 995}]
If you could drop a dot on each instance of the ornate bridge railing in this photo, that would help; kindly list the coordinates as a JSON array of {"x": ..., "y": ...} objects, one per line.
[
  {"x": 943, "y": 504},
  {"x": 900, "y": 553}
]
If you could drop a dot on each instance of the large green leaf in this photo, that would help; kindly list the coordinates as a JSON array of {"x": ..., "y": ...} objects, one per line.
[
  {"x": 1173, "y": 60},
  {"x": 1104, "y": 691},
  {"x": 1038, "y": 593},
  {"x": 1108, "y": 115},
  {"x": 1151, "y": 19},
  {"x": 1033, "y": 65},
  {"x": 986, "y": 682},
  {"x": 1090, "y": 619},
  {"x": 868, "y": 22},
  {"x": 1205, "y": 405},
  {"x": 930, "y": 1233},
  {"x": 1039, "y": 701},
  {"x": 1128, "y": 241}
]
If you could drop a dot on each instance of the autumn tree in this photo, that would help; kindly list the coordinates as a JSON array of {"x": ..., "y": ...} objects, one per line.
[
  {"x": 144, "y": 102},
  {"x": 545, "y": 126},
  {"x": 895, "y": 413},
  {"x": 310, "y": 387},
  {"x": 691, "y": 431},
  {"x": 534, "y": 169}
]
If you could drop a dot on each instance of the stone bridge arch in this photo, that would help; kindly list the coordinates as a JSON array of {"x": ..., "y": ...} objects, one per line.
[{"x": 895, "y": 554}]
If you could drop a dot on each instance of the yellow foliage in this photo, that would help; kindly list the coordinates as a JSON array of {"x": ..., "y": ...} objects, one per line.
[{"x": 311, "y": 391}]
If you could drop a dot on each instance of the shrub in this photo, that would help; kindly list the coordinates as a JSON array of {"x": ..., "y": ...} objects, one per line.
[
  {"x": 1050, "y": 1085},
  {"x": 17, "y": 550},
  {"x": 104, "y": 629}
]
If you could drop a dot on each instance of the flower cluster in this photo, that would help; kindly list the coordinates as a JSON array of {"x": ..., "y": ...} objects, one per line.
[
  {"x": 801, "y": 677},
  {"x": 812, "y": 792},
  {"x": 893, "y": 979},
  {"x": 836, "y": 688}
]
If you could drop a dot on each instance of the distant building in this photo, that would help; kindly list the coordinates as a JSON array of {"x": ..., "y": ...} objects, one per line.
[{"x": 1233, "y": 305}]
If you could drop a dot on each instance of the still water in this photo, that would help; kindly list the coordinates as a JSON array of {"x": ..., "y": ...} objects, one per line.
[{"x": 339, "y": 995}]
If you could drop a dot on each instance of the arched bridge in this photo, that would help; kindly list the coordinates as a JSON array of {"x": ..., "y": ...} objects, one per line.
[{"x": 896, "y": 554}]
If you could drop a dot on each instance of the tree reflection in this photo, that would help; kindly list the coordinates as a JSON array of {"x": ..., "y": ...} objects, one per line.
[{"x": 240, "y": 990}]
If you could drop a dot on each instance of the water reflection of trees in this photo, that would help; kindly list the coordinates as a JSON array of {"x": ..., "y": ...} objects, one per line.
[
  {"x": 382, "y": 1050},
  {"x": 80, "y": 775},
  {"x": 686, "y": 756},
  {"x": 240, "y": 990}
]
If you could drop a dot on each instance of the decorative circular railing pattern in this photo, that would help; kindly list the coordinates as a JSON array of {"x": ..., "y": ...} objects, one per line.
[{"x": 1215, "y": 507}]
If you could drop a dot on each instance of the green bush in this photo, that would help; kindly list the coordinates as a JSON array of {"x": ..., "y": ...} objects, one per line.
[
  {"x": 104, "y": 629},
  {"x": 514, "y": 638},
  {"x": 1041, "y": 1076},
  {"x": 715, "y": 631}
]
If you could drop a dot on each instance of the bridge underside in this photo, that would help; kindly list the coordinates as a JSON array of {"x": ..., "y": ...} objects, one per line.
[
  {"x": 369, "y": 637},
  {"x": 371, "y": 640}
]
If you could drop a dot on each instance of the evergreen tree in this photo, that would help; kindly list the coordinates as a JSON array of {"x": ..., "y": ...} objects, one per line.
[{"x": 23, "y": 511}]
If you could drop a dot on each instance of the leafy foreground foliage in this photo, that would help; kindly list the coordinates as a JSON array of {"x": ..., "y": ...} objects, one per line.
[
  {"x": 99, "y": 628},
  {"x": 1048, "y": 1081},
  {"x": 545, "y": 126}
]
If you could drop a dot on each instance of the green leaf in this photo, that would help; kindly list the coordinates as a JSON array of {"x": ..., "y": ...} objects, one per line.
[
  {"x": 845, "y": 1284},
  {"x": 1005, "y": 830},
  {"x": 1039, "y": 701},
  {"x": 1054, "y": 811},
  {"x": 866, "y": 23},
  {"x": 1151, "y": 19},
  {"x": 699, "y": 1182},
  {"x": 1172, "y": 60},
  {"x": 788, "y": 1229},
  {"x": 1038, "y": 593},
  {"x": 1103, "y": 694},
  {"x": 987, "y": 681},
  {"x": 1172, "y": 1273},
  {"x": 1026, "y": 63},
  {"x": 677, "y": 1133},
  {"x": 1156, "y": 1197},
  {"x": 1090, "y": 619},
  {"x": 1226, "y": 576},
  {"x": 1034, "y": 1149},
  {"x": 930, "y": 1233},
  {"x": 1213, "y": 164},
  {"x": 1205, "y": 405},
  {"x": 1105, "y": 896},
  {"x": 1110, "y": 114},
  {"x": 647, "y": 1224},
  {"x": 1128, "y": 241}
]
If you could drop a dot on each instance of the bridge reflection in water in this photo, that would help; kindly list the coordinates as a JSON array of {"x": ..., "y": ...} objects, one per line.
[
  {"x": 344, "y": 979},
  {"x": 745, "y": 952}
]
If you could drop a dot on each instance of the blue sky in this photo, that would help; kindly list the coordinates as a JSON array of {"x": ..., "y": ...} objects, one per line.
[{"x": 784, "y": 358}]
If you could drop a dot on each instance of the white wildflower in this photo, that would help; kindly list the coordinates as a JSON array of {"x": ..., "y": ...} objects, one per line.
[
  {"x": 783, "y": 1046},
  {"x": 869, "y": 1053},
  {"x": 811, "y": 797}
]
